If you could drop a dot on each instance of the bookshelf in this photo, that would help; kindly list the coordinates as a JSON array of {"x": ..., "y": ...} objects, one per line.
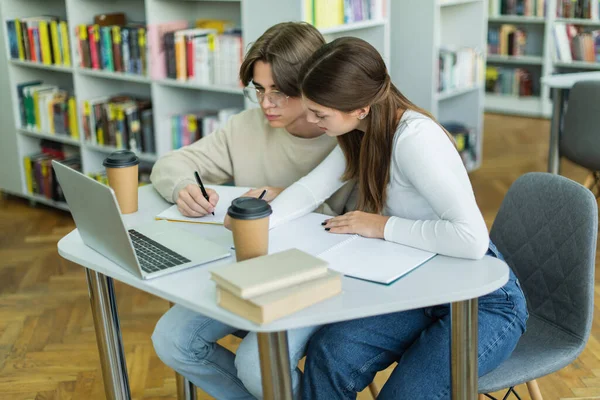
[
  {"x": 515, "y": 92},
  {"x": 168, "y": 96},
  {"x": 541, "y": 53},
  {"x": 442, "y": 27}
]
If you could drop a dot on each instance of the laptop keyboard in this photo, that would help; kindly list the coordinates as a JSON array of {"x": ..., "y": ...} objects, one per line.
[{"x": 153, "y": 256}]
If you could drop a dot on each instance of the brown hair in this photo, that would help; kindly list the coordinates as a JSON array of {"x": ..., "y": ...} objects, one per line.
[
  {"x": 285, "y": 46},
  {"x": 347, "y": 74}
]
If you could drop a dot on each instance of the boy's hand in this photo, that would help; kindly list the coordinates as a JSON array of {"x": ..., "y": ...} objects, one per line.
[{"x": 191, "y": 202}]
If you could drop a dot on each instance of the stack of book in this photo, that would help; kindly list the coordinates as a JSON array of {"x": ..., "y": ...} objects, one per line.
[
  {"x": 43, "y": 39},
  {"x": 112, "y": 44},
  {"x": 47, "y": 108},
  {"x": 122, "y": 121},
  {"x": 192, "y": 126},
  {"x": 270, "y": 287}
]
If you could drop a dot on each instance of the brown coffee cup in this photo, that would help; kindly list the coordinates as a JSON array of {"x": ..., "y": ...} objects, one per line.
[
  {"x": 250, "y": 227},
  {"x": 122, "y": 172}
]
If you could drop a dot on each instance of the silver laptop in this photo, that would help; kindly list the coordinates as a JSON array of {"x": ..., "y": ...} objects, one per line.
[{"x": 149, "y": 250}]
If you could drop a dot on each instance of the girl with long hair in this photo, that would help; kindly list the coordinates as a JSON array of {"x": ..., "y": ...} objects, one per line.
[{"x": 414, "y": 190}]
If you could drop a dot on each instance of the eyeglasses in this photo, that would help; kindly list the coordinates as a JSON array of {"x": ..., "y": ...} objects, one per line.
[{"x": 275, "y": 97}]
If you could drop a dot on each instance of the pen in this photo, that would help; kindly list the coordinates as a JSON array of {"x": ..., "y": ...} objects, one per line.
[
  {"x": 201, "y": 186},
  {"x": 262, "y": 194}
]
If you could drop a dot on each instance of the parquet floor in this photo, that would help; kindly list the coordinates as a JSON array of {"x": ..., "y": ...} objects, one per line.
[{"x": 47, "y": 343}]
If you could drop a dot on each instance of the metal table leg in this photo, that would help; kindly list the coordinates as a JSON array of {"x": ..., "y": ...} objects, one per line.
[
  {"x": 275, "y": 366},
  {"x": 108, "y": 335},
  {"x": 463, "y": 350},
  {"x": 185, "y": 389},
  {"x": 553, "y": 152}
]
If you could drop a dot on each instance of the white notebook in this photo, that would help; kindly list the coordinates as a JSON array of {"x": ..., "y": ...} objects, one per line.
[
  {"x": 226, "y": 195},
  {"x": 373, "y": 260}
]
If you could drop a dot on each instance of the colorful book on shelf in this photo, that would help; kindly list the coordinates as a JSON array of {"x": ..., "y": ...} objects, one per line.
[
  {"x": 38, "y": 39},
  {"x": 113, "y": 48},
  {"x": 156, "y": 45},
  {"x": 226, "y": 195},
  {"x": 117, "y": 121}
]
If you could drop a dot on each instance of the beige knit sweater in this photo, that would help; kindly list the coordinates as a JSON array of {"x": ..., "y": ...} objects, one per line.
[{"x": 249, "y": 152}]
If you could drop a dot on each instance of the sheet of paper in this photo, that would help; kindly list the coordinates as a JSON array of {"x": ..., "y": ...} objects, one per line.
[
  {"x": 226, "y": 195},
  {"x": 375, "y": 260},
  {"x": 305, "y": 233}
]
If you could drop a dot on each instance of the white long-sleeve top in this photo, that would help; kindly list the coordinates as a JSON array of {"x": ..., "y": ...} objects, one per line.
[{"x": 430, "y": 199}]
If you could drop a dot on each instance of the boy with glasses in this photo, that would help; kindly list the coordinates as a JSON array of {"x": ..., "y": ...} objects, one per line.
[{"x": 270, "y": 148}]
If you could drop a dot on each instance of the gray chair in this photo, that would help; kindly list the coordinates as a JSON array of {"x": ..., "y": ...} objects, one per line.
[
  {"x": 580, "y": 138},
  {"x": 546, "y": 229}
]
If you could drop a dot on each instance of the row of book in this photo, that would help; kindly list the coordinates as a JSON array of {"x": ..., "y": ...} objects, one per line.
[
  {"x": 122, "y": 121},
  {"x": 529, "y": 8},
  {"x": 211, "y": 52},
  {"x": 459, "y": 68},
  {"x": 506, "y": 40},
  {"x": 190, "y": 127},
  {"x": 328, "y": 13},
  {"x": 47, "y": 108},
  {"x": 586, "y": 9},
  {"x": 572, "y": 43},
  {"x": 509, "y": 81},
  {"x": 39, "y": 174},
  {"x": 112, "y": 48},
  {"x": 42, "y": 39}
]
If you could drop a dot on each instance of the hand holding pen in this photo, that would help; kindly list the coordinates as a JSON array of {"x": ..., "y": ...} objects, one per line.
[{"x": 196, "y": 201}]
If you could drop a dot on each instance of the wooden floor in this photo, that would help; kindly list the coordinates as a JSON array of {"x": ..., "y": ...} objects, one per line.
[{"x": 47, "y": 342}]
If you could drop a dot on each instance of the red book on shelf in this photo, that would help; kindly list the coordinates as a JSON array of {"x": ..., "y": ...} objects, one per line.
[{"x": 94, "y": 39}]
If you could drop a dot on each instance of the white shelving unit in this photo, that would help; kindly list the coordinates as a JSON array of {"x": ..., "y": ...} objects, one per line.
[
  {"x": 437, "y": 24},
  {"x": 536, "y": 60},
  {"x": 541, "y": 60},
  {"x": 168, "y": 96}
]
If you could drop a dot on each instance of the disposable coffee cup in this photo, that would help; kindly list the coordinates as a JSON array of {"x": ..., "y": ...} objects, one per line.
[
  {"x": 122, "y": 172},
  {"x": 250, "y": 227}
]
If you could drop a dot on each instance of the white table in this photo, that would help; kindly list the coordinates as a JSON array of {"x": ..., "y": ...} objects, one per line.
[
  {"x": 559, "y": 84},
  {"x": 441, "y": 280}
]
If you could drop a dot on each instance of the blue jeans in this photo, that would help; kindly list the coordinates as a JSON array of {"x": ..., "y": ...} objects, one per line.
[
  {"x": 343, "y": 358},
  {"x": 186, "y": 341}
]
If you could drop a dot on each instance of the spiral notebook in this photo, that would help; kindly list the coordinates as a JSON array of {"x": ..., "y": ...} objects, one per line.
[
  {"x": 226, "y": 195},
  {"x": 374, "y": 260}
]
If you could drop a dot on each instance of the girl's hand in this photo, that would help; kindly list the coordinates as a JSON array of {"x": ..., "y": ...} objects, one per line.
[
  {"x": 272, "y": 192},
  {"x": 358, "y": 222}
]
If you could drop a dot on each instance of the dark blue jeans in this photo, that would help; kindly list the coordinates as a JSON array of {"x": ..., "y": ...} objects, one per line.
[{"x": 343, "y": 358}]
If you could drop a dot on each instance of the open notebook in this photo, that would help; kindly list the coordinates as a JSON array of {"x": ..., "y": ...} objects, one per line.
[
  {"x": 226, "y": 195},
  {"x": 373, "y": 260}
]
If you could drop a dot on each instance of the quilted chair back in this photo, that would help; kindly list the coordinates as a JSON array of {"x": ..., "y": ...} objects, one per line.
[{"x": 547, "y": 229}]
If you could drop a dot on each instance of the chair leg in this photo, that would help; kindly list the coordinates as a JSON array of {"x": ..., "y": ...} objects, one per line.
[
  {"x": 374, "y": 390},
  {"x": 534, "y": 390}
]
